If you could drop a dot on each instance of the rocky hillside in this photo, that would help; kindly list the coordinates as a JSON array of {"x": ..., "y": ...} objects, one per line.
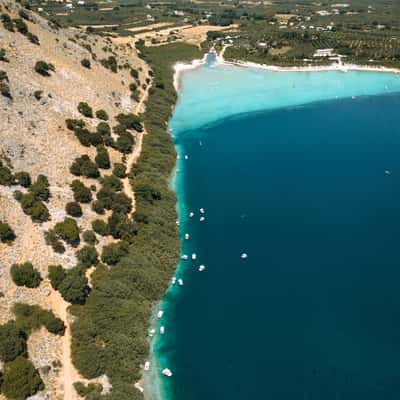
[{"x": 49, "y": 76}]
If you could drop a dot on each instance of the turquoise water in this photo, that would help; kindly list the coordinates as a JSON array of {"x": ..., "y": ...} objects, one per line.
[{"x": 308, "y": 185}]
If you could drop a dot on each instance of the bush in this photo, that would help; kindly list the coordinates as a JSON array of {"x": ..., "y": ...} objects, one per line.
[
  {"x": 104, "y": 129},
  {"x": 101, "y": 114},
  {"x": 5, "y": 90},
  {"x": 135, "y": 73},
  {"x": 83, "y": 135},
  {"x": 87, "y": 256},
  {"x": 113, "y": 252},
  {"x": 121, "y": 203},
  {"x": 30, "y": 318},
  {"x": 52, "y": 240},
  {"x": 85, "y": 109},
  {"x": 37, "y": 210},
  {"x": 96, "y": 139},
  {"x": 86, "y": 63},
  {"x": 68, "y": 231},
  {"x": 110, "y": 63},
  {"x": 3, "y": 56},
  {"x": 119, "y": 170},
  {"x": 98, "y": 207},
  {"x": 102, "y": 158},
  {"x": 6, "y": 177},
  {"x": 7, "y": 22},
  {"x": 7, "y": 235},
  {"x": 100, "y": 227},
  {"x": 74, "y": 287},
  {"x": 32, "y": 38},
  {"x": 89, "y": 237},
  {"x": 20, "y": 379},
  {"x": 133, "y": 87},
  {"x": 112, "y": 182},
  {"x": 21, "y": 26},
  {"x": 12, "y": 342},
  {"x": 40, "y": 189},
  {"x": 23, "y": 178},
  {"x": 130, "y": 121},
  {"x": 74, "y": 209},
  {"x": 56, "y": 275},
  {"x": 121, "y": 227},
  {"x": 82, "y": 194},
  {"x": 124, "y": 143},
  {"x": 25, "y": 275},
  {"x": 43, "y": 68},
  {"x": 72, "y": 124},
  {"x": 84, "y": 166}
]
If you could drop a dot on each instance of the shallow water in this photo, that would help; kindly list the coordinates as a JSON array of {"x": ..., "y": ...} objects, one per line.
[{"x": 309, "y": 187}]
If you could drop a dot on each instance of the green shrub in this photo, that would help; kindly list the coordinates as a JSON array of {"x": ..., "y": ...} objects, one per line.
[
  {"x": 40, "y": 188},
  {"x": 89, "y": 237},
  {"x": 82, "y": 194},
  {"x": 84, "y": 166},
  {"x": 130, "y": 121},
  {"x": 33, "y": 317},
  {"x": 72, "y": 124},
  {"x": 121, "y": 227},
  {"x": 104, "y": 129},
  {"x": 85, "y": 109},
  {"x": 25, "y": 275},
  {"x": 7, "y": 235},
  {"x": 43, "y": 68},
  {"x": 12, "y": 342},
  {"x": 101, "y": 114},
  {"x": 20, "y": 379},
  {"x": 68, "y": 231},
  {"x": 21, "y": 26},
  {"x": 52, "y": 240},
  {"x": 23, "y": 178},
  {"x": 37, "y": 210},
  {"x": 124, "y": 143},
  {"x": 110, "y": 63},
  {"x": 100, "y": 227},
  {"x": 7, "y": 22},
  {"x": 90, "y": 389},
  {"x": 113, "y": 252},
  {"x": 56, "y": 275},
  {"x": 102, "y": 158},
  {"x": 6, "y": 176},
  {"x": 121, "y": 203},
  {"x": 5, "y": 90},
  {"x": 96, "y": 139},
  {"x": 98, "y": 207},
  {"x": 3, "y": 56},
  {"x": 74, "y": 209},
  {"x": 112, "y": 182},
  {"x": 135, "y": 73},
  {"x": 133, "y": 87},
  {"x": 83, "y": 135},
  {"x": 74, "y": 287},
  {"x": 38, "y": 94},
  {"x": 87, "y": 256},
  {"x": 86, "y": 63},
  {"x": 119, "y": 170},
  {"x": 33, "y": 38}
]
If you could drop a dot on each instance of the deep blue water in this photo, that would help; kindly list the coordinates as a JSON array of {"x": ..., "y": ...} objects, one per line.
[{"x": 314, "y": 312}]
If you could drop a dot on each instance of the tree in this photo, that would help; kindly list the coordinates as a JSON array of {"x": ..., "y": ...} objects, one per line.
[
  {"x": 113, "y": 252},
  {"x": 40, "y": 189},
  {"x": 37, "y": 210},
  {"x": 89, "y": 237},
  {"x": 100, "y": 227},
  {"x": 74, "y": 287},
  {"x": 86, "y": 63},
  {"x": 104, "y": 129},
  {"x": 12, "y": 342},
  {"x": 84, "y": 166},
  {"x": 130, "y": 121},
  {"x": 25, "y": 275},
  {"x": 85, "y": 109},
  {"x": 101, "y": 114},
  {"x": 56, "y": 275},
  {"x": 21, "y": 379},
  {"x": 82, "y": 194},
  {"x": 88, "y": 256},
  {"x": 43, "y": 68},
  {"x": 23, "y": 178},
  {"x": 102, "y": 158},
  {"x": 68, "y": 231},
  {"x": 74, "y": 209},
  {"x": 124, "y": 143},
  {"x": 6, "y": 177},
  {"x": 119, "y": 170},
  {"x": 7, "y": 235}
]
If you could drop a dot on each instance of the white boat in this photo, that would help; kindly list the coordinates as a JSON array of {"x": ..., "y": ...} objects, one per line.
[
  {"x": 177, "y": 222},
  {"x": 180, "y": 282},
  {"x": 160, "y": 313},
  {"x": 202, "y": 219},
  {"x": 173, "y": 280},
  {"x": 194, "y": 256},
  {"x": 162, "y": 330},
  {"x": 191, "y": 215},
  {"x": 152, "y": 332},
  {"x": 166, "y": 372},
  {"x": 147, "y": 365},
  {"x": 178, "y": 157},
  {"x": 387, "y": 172},
  {"x": 243, "y": 256},
  {"x": 186, "y": 157},
  {"x": 202, "y": 210},
  {"x": 184, "y": 257},
  {"x": 202, "y": 268},
  {"x": 187, "y": 236}
]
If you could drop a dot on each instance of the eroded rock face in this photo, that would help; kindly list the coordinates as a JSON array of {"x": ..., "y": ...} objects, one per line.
[{"x": 34, "y": 138}]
